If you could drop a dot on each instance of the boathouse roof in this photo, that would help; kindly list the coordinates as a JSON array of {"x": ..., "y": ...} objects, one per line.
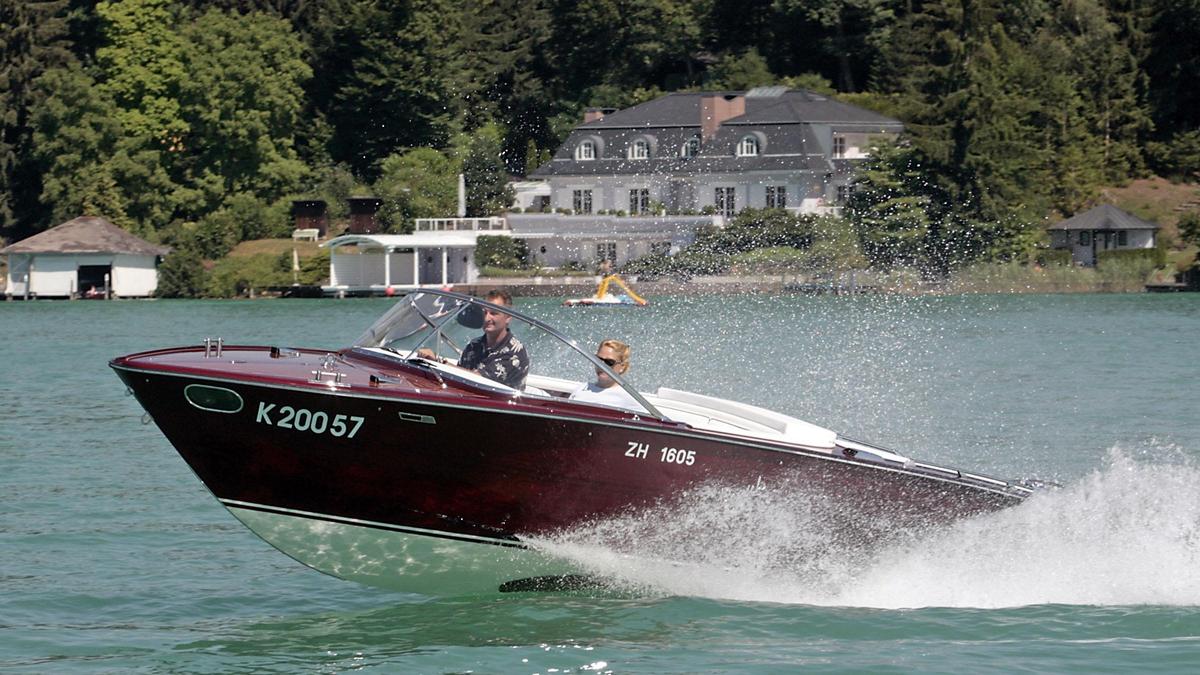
[
  {"x": 86, "y": 234},
  {"x": 1104, "y": 217}
]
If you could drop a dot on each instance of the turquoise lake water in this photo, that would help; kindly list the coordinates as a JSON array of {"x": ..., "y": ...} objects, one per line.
[{"x": 114, "y": 558}]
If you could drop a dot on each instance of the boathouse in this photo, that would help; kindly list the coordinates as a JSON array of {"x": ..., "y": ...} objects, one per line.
[
  {"x": 84, "y": 257},
  {"x": 440, "y": 253},
  {"x": 1103, "y": 228}
]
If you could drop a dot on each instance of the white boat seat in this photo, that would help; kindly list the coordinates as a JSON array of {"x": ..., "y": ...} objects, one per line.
[
  {"x": 718, "y": 414},
  {"x": 551, "y": 386}
]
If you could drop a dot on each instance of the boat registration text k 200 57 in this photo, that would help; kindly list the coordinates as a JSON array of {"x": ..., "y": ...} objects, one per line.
[{"x": 303, "y": 419}]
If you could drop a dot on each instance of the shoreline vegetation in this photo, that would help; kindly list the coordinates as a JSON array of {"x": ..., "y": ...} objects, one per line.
[
  {"x": 264, "y": 275},
  {"x": 196, "y": 125},
  {"x": 759, "y": 251}
]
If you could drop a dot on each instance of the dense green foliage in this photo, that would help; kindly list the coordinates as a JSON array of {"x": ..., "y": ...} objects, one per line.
[
  {"x": 1060, "y": 257},
  {"x": 181, "y": 275},
  {"x": 1150, "y": 257},
  {"x": 196, "y": 123},
  {"x": 1189, "y": 228},
  {"x": 501, "y": 252},
  {"x": 760, "y": 240}
]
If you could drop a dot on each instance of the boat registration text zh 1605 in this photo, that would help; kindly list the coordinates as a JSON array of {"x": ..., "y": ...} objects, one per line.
[{"x": 669, "y": 455}]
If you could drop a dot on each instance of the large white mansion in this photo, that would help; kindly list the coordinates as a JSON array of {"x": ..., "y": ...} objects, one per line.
[
  {"x": 628, "y": 183},
  {"x": 768, "y": 147}
]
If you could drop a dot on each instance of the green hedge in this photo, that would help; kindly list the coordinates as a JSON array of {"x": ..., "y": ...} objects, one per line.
[
  {"x": 1151, "y": 256},
  {"x": 1056, "y": 256},
  {"x": 502, "y": 252}
]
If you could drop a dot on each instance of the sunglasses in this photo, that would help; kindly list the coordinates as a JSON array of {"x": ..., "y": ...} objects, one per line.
[{"x": 611, "y": 363}]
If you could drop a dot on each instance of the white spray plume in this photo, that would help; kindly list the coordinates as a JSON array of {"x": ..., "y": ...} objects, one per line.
[{"x": 1127, "y": 534}]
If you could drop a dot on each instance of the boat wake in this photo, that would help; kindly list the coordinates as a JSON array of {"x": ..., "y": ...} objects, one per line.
[{"x": 1126, "y": 534}]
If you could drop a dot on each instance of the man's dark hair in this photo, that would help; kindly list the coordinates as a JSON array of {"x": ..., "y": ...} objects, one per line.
[{"x": 499, "y": 293}]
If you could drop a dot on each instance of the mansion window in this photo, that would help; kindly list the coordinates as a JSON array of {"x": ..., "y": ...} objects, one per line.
[
  {"x": 606, "y": 250},
  {"x": 581, "y": 201},
  {"x": 1122, "y": 238},
  {"x": 725, "y": 199},
  {"x": 839, "y": 146},
  {"x": 639, "y": 150},
  {"x": 776, "y": 196},
  {"x": 586, "y": 150},
  {"x": 748, "y": 147},
  {"x": 843, "y": 193},
  {"x": 639, "y": 201},
  {"x": 690, "y": 147},
  {"x": 660, "y": 248},
  {"x": 1085, "y": 238}
]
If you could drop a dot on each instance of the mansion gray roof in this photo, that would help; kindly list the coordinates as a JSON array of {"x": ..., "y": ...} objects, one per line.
[
  {"x": 1104, "y": 217},
  {"x": 782, "y": 121},
  {"x": 86, "y": 234}
]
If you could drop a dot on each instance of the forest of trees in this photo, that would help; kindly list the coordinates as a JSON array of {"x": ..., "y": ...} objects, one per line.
[{"x": 195, "y": 123}]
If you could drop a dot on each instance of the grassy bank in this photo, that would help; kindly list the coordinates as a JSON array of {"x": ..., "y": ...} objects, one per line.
[{"x": 1016, "y": 278}]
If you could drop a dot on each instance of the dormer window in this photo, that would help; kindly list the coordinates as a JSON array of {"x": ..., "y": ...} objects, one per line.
[
  {"x": 839, "y": 146},
  {"x": 586, "y": 150},
  {"x": 747, "y": 147},
  {"x": 640, "y": 149},
  {"x": 690, "y": 147}
]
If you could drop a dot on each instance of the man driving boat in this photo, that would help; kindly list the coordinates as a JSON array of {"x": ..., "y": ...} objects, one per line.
[{"x": 497, "y": 354}]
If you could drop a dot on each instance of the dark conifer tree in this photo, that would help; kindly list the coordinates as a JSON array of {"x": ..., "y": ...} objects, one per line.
[
  {"x": 504, "y": 65},
  {"x": 34, "y": 37},
  {"x": 391, "y": 85}
]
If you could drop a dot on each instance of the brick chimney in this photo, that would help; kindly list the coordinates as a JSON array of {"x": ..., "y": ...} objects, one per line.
[
  {"x": 362, "y": 215},
  {"x": 715, "y": 109},
  {"x": 593, "y": 114},
  {"x": 310, "y": 213}
]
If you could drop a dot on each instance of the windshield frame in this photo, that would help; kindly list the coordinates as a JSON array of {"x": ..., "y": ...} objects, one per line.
[{"x": 371, "y": 338}]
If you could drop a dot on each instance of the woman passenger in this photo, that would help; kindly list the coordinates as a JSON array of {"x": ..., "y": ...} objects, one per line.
[{"x": 605, "y": 390}]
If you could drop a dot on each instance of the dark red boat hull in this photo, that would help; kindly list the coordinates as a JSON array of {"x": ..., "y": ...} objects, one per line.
[{"x": 465, "y": 465}]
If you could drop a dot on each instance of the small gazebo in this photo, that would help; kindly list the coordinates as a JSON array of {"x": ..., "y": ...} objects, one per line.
[
  {"x": 1103, "y": 228},
  {"x": 84, "y": 257}
]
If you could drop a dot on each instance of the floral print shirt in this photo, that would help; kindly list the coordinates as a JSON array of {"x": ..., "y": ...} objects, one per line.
[{"x": 506, "y": 363}]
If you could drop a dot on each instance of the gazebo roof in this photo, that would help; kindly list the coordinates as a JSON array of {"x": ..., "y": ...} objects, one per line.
[
  {"x": 86, "y": 234},
  {"x": 1104, "y": 217}
]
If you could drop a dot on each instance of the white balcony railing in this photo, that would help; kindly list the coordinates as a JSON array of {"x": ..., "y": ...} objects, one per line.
[{"x": 460, "y": 224}]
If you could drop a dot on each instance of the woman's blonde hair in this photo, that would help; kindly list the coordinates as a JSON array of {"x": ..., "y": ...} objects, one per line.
[{"x": 620, "y": 348}]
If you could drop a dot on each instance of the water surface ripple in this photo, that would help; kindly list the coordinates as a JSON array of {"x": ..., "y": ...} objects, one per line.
[{"x": 114, "y": 558}]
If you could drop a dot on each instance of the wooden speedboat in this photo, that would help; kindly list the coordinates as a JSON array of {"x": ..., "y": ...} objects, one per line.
[{"x": 379, "y": 465}]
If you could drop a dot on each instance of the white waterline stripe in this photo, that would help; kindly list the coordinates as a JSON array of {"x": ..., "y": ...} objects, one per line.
[{"x": 368, "y": 523}]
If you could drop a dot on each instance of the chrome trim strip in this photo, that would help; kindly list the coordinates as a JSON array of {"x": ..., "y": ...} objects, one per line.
[
  {"x": 413, "y": 417},
  {"x": 819, "y": 453},
  {"x": 814, "y": 453}
]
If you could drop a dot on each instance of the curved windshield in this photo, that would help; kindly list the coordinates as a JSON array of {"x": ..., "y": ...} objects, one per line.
[
  {"x": 415, "y": 320},
  {"x": 449, "y": 331}
]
